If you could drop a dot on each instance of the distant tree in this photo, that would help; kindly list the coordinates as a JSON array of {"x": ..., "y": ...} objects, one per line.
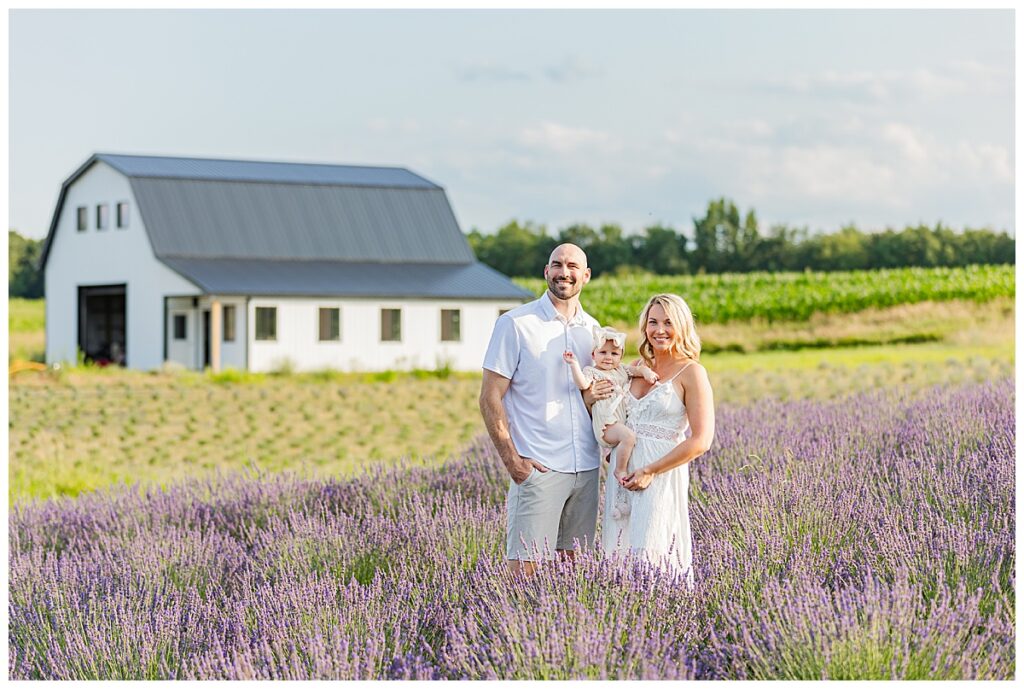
[
  {"x": 843, "y": 250},
  {"x": 515, "y": 249},
  {"x": 779, "y": 249},
  {"x": 661, "y": 250},
  {"x": 723, "y": 242},
  {"x": 582, "y": 235},
  {"x": 984, "y": 246},
  {"x": 24, "y": 276},
  {"x": 611, "y": 251}
]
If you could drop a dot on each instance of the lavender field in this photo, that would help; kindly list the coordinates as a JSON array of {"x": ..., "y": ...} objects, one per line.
[{"x": 866, "y": 537}]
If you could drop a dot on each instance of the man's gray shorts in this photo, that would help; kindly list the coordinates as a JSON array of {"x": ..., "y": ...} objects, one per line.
[{"x": 551, "y": 511}]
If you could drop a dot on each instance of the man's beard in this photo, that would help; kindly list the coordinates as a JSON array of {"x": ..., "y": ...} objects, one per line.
[{"x": 564, "y": 290}]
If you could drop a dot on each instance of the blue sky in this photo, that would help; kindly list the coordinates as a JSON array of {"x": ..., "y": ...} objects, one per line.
[{"x": 812, "y": 118}]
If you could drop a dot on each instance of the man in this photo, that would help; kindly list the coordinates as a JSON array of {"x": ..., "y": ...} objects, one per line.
[{"x": 538, "y": 420}]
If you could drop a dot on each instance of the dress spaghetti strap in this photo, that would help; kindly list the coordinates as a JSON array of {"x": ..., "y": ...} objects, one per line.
[{"x": 691, "y": 361}]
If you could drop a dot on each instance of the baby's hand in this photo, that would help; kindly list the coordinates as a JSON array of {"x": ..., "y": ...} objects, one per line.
[
  {"x": 568, "y": 356},
  {"x": 650, "y": 376}
]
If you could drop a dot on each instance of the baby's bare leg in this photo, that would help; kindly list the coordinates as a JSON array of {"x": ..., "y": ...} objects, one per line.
[{"x": 625, "y": 440}]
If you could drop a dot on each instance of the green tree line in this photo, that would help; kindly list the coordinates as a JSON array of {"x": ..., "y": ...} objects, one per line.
[
  {"x": 726, "y": 241},
  {"x": 24, "y": 279},
  {"x": 722, "y": 241}
]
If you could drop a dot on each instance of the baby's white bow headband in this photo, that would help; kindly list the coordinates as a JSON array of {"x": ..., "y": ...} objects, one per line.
[{"x": 602, "y": 335}]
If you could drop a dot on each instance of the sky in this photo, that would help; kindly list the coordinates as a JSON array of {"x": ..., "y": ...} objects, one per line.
[{"x": 812, "y": 118}]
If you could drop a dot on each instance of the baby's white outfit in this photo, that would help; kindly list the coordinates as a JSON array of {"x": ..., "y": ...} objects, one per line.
[{"x": 613, "y": 409}]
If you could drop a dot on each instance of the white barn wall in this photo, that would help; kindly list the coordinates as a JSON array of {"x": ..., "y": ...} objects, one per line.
[
  {"x": 232, "y": 354},
  {"x": 189, "y": 351},
  {"x": 104, "y": 257},
  {"x": 182, "y": 351},
  {"x": 360, "y": 348}
]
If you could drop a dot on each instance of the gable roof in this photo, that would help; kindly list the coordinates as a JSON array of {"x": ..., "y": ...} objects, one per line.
[
  {"x": 201, "y": 214},
  {"x": 263, "y": 171}
]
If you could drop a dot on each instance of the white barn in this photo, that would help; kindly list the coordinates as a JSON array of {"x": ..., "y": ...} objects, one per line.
[{"x": 263, "y": 265}]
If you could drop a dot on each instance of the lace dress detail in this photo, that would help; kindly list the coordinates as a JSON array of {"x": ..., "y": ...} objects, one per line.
[
  {"x": 650, "y": 430},
  {"x": 657, "y": 526}
]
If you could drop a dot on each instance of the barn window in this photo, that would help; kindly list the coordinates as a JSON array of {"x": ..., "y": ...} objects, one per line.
[
  {"x": 83, "y": 218},
  {"x": 330, "y": 324},
  {"x": 229, "y": 324},
  {"x": 122, "y": 214},
  {"x": 391, "y": 325},
  {"x": 266, "y": 322},
  {"x": 502, "y": 312},
  {"x": 102, "y": 216},
  {"x": 180, "y": 333},
  {"x": 451, "y": 330}
]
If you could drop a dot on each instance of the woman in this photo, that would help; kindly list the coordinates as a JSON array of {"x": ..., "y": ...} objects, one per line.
[{"x": 674, "y": 421}]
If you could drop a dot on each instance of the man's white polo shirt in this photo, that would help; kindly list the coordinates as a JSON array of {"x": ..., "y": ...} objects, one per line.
[{"x": 547, "y": 417}]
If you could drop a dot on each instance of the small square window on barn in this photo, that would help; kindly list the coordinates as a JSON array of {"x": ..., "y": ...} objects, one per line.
[
  {"x": 451, "y": 328},
  {"x": 102, "y": 216},
  {"x": 180, "y": 332},
  {"x": 229, "y": 324},
  {"x": 83, "y": 218},
  {"x": 266, "y": 322},
  {"x": 330, "y": 325},
  {"x": 122, "y": 214},
  {"x": 391, "y": 325}
]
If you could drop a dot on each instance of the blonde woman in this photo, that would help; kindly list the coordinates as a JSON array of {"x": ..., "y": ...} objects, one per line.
[{"x": 674, "y": 423}]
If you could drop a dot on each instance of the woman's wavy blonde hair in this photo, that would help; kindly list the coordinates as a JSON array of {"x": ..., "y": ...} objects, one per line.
[{"x": 686, "y": 342}]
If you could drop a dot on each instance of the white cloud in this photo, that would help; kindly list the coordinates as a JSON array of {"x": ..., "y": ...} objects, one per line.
[
  {"x": 563, "y": 138},
  {"x": 573, "y": 68},
  {"x": 906, "y": 140},
  {"x": 384, "y": 125},
  {"x": 489, "y": 71},
  {"x": 863, "y": 86}
]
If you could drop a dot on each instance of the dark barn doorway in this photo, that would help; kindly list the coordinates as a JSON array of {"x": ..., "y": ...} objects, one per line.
[
  {"x": 206, "y": 338},
  {"x": 101, "y": 324}
]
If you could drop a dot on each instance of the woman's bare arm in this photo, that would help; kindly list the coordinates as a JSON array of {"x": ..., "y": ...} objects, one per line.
[{"x": 695, "y": 389}]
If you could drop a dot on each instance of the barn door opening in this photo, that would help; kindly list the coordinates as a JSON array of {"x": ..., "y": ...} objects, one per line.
[
  {"x": 101, "y": 324},
  {"x": 206, "y": 338}
]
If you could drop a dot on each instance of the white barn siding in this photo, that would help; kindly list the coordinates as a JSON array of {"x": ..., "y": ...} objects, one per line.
[
  {"x": 360, "y": 348},
  {"x": 189, "y": 351},
  {"x": 105, "y": 257}
]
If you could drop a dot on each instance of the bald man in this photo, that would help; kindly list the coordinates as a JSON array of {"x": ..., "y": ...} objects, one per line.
[{"x": 538, "y": 419}]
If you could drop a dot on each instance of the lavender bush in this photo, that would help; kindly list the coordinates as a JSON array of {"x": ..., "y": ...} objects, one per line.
[{"x": 871, "y": 537}]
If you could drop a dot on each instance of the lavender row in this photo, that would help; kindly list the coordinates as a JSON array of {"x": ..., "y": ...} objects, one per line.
[{"x": 867, "y": 538}]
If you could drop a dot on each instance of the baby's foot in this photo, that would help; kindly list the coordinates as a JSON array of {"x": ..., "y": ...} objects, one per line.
[{"x": 622, "y": 507}]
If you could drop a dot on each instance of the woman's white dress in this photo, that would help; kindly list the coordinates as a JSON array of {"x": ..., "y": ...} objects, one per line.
[{"x": 658, "y": 525}]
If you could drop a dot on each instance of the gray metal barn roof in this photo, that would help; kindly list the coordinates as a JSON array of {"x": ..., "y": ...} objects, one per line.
[
  {"x": 218, "y": 219},
  {"x": 301, "y": 227},
  {"x": 336, "y": 278},
  {"x": 261, "y": 171}
]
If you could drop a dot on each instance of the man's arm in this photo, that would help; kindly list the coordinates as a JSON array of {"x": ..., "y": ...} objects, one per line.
[{"x": 492, "y": 390}]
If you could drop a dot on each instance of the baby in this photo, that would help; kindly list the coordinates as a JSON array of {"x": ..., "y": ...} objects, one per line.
[{"x": 610, "y": 414}]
